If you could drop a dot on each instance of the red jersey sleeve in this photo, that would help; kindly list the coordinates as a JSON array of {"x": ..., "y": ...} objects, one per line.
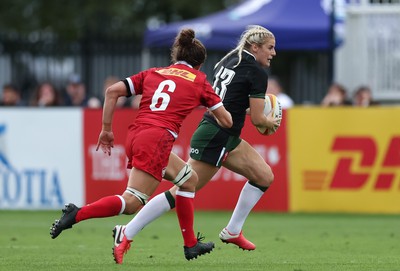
[
  {"x": 135, "y": 82},
  {"x": 209, "y": 98}
]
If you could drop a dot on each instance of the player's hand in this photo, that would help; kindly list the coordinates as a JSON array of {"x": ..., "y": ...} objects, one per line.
[
  {"x": 105, "y": 142},
  {"x": 273, "y": 122}
]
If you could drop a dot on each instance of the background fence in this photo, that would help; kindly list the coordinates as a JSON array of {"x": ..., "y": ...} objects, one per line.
[
  {"x": 370, "y": 55},
  {"x": 305, "y": 75},
  {"x": 371, "y": 52}
]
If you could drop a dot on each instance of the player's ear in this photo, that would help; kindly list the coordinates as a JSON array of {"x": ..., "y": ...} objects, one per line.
[{"x": 254, "y": 47}]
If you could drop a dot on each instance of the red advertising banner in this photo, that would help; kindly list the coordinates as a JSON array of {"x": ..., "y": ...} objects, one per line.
[{"x": 107, "y": 175}]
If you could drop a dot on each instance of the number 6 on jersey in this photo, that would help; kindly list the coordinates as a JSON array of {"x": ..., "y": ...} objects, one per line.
[{"x": 165, "y": 98}]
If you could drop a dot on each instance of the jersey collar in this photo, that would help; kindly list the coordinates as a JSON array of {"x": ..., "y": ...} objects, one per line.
[
  {"x": 250, "y": 54},
  {"x": 184, "y": 63}
]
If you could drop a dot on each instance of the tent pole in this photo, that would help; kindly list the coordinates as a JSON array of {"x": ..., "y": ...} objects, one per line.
[{"x": 331, "y": 47}]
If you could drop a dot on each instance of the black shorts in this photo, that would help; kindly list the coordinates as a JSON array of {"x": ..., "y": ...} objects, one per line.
[{"x": 210, "y": 144}]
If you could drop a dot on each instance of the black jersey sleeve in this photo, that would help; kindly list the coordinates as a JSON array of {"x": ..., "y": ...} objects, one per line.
[{"x": 258, "y": 83}]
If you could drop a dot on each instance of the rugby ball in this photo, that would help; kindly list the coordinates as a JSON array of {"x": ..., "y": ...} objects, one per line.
[{"x": 271, "y": 103}]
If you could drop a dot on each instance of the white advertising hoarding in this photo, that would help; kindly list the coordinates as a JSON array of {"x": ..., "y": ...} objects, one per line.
[{"x": 41, "y": 160}]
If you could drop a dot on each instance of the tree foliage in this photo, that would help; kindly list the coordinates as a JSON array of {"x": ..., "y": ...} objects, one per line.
[{"x": 70, "y": 20}]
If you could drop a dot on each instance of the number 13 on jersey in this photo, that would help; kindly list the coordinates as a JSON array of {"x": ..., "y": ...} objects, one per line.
[{"x": 222, "y": 79}]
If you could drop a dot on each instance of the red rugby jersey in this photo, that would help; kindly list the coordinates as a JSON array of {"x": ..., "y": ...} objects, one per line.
[{"x": 170, "y": 93}]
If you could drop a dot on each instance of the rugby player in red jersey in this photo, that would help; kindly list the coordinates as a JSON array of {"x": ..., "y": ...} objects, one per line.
[{"x": 169, "y": 94}]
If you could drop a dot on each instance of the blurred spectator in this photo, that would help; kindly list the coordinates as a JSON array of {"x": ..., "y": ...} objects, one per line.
[
  {"x": 46, "y": 94},
  {"x": 363, "y": 97},
  {"x": 76, "y": 92},
  {"x": 94, "y": 102},
  {"x": 336, "y": 96},
  {"x": 11, "y": 96},
  {"x": 98, "y": 103},
  {"x": 275, "y": 87}
]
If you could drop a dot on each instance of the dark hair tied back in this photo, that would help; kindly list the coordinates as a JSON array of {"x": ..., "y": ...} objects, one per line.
[
  {"x": 186, "y": 37},
  {"x": 187, "y": 48}
]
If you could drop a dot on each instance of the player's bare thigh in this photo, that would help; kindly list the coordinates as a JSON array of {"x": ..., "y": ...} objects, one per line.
[
  {"x": 246, "y": 161},
  {"x": 204, "y": 171},
  {"x": 175, "y": 165}
]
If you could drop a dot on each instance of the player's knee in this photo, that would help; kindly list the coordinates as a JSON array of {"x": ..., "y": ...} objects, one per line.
[
  {"x": 264, "y": 177},
  {"x": 132, "y": 204},
  {"x": 186, "y": 179},
  {"x": 191, "y": 183},
  {"x": 133, "y": 200},
  {"x": 270, "y": 178}
]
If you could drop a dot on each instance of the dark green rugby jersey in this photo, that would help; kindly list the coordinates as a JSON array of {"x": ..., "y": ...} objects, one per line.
[{"x": 236, "y": 84}]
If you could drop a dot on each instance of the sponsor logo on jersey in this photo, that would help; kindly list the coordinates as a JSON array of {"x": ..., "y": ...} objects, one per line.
[{"x": 179, "y": 73}]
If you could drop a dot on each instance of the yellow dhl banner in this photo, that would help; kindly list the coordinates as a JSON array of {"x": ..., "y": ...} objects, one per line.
[{"x": 344, "y": 159}]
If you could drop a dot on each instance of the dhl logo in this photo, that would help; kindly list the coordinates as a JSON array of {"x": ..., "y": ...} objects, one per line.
[
  {"x": 351, "y": 173},
  {"x": 178, "y": 72}
]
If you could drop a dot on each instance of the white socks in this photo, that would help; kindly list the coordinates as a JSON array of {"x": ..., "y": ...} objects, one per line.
[
  {"x": 150, "y": 212},
  {"x": 157, "y": 206},
  {"x": 249, "y": 196}
]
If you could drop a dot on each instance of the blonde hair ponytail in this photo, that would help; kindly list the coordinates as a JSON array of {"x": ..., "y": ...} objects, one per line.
[{"x": 254, "y": 34}]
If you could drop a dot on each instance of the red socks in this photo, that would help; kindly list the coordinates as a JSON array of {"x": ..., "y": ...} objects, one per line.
[
  {"x": 184, "y": 209},
  {"x": 104, "y": 207},
  {"x": 111, "y": 206}
]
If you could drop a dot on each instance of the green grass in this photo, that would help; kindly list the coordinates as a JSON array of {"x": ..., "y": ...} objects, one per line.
[{"x": 295, "y": 242}]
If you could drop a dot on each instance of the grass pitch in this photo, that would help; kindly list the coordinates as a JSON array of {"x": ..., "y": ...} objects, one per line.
[{"x": 293, "y": 242}]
